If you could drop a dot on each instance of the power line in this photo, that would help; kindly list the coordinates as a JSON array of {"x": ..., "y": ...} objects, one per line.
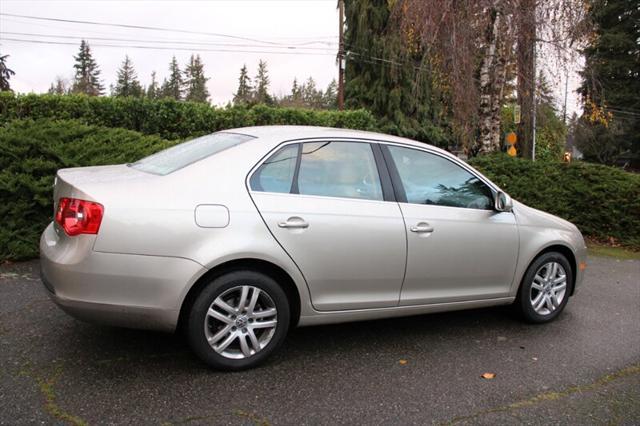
[
  {"x": 183, "y": 42},
  {"x": 62, "y": 43},
  {"x": 140, "y": 27}
]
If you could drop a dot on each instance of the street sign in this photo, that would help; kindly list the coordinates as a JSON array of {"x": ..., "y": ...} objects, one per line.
[{"x": 516, "y": 114}]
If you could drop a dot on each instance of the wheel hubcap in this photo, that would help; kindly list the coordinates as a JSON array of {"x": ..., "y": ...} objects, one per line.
[
  {"x": 548, "y": 288},
  {"x": 241, "y": 322}
]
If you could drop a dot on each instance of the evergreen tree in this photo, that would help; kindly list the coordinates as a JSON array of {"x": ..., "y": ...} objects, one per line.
[
  {"x": 261, "y": 92},
  {"x": 296, "y": 92},
  {"x": 311, "y": 97},
  {"x": 397, "y": 87},
  {"x": 611, "y": 83},
  {"x": 195, "y": 81},
  {"x": 127, "y": 83},
  {"x": 58, "y": 87},
  {"x": 87, "y": 78},
  {"x": 172, "y": 88},
  {"x": 153, "y": 91},
  {"x": 330, "y": 96},
  {"x": 5, "y": 74},
  {"x": 244, "y": 92}
]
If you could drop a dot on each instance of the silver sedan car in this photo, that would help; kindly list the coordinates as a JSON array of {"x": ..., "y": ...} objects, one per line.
[{"x": 237, "y": 236}]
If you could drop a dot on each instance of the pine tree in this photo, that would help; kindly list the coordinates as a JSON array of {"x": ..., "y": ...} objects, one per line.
[
  {"x": 402, "y": 97},
  {"x": 127, "y": 83},
  {"x": 244, "y": 92},
  {"x": 5, "y": 74},
  {"x": 330, "y": 96},
  {"x": 261, "y": 93},
  {"x": 195, "y": 81},
  {"x": 311, "y": 96},
  {"x": 153, "y": 91},
  {"x": 87, "y": 78},
  {"x": 172, "y": 88},
  {"x": 611, "y": 83},
  {"x": 296, "y": 91},
  {"x": 58, "y": 87}
]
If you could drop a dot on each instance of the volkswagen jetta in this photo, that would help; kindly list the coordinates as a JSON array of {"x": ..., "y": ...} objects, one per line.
[{"x": 238, "y": 236}]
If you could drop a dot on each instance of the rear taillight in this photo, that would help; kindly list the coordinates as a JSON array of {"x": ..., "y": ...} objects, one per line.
[{"x": 79, "y": 216}]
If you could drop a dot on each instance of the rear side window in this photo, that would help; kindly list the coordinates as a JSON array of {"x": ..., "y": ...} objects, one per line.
[
  {"x": 339, "y": 169},
  {"x": 330, "y": 169},
  {"x": 179, "y": 156},
  {"x": 276, "y": 174}
]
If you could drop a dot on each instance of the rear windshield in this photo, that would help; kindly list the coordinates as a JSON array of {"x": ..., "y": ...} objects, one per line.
[{"x": 179, "y": 156}]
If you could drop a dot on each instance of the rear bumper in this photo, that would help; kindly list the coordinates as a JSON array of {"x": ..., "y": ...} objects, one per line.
[{"x": 124, "y": 290}]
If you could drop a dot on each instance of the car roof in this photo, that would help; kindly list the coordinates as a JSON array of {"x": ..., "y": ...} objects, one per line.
[{"x": 277, "y": 134}]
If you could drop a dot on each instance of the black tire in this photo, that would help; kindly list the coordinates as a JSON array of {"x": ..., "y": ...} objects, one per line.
[
  {"x": 523, "y": 303},
  {"x": 198, "y": 314}
]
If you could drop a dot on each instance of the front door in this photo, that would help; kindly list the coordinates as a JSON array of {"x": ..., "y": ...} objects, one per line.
[
  {"x": 324, "y": 203},
  {"x": 459, "y": 247}
]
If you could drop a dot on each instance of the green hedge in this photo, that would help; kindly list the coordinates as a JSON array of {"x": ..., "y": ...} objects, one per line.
[
  {"x": 30, "y": 154},
  {"x": 167, "y": 118},
  {"x": 602, "y": 201}
]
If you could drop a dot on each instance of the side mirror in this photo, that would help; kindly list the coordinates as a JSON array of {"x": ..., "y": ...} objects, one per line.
[{"x": 502, "y": 202}]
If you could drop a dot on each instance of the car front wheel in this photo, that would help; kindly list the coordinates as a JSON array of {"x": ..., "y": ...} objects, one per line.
[
  {"x": 545, "y": 288},
  {"x": 238, "y": 320}
]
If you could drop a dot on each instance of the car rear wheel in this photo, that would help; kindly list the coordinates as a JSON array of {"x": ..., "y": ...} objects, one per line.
[
  {"x": 238, "y": 320},
  {"x": 545, "y": 288}
]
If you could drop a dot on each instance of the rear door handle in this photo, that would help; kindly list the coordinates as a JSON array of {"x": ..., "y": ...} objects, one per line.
[
  {"x": 421, "y": 227},
  {"x": 294, "y": 223}
]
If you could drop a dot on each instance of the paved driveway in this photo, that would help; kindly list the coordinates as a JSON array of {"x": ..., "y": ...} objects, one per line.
[{"x": 582, "y": 369}]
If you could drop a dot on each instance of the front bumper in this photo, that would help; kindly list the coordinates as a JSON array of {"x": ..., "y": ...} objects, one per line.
[
  {"x": 581, "y": 265},
  {"x": 134, "y": 291}
]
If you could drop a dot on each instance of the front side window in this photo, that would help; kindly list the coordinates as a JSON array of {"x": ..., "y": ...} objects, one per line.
[
  {"x": 339, "y": 169},
  {"x": 276, "y": 173},
  {"x": 431, "y": 179},
  {"x": 179, "y": 156}
]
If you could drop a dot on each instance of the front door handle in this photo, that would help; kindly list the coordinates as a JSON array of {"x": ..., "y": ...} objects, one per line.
[
  {"x": 422, "y": 227},
  {"x": 294, "y": 223}
]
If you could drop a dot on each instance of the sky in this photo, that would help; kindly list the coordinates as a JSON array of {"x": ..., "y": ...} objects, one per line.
[{"x": 297, "y": 39}]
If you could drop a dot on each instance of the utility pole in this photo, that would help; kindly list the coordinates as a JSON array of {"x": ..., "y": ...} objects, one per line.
[
  {"x": 566, "y": 93},
  {"x": 341, "y": 58},
  {"x": 534, "y": 113}
]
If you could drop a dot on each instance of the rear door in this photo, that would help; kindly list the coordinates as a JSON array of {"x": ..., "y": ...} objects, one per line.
[{"x": 326, "y": 204}]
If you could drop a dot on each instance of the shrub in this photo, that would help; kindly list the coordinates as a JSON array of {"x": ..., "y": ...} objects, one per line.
[
  {"x": 168, "y": 118},
  {"x": 602, "y": 201},
  {"x": 30, "y": 154}
]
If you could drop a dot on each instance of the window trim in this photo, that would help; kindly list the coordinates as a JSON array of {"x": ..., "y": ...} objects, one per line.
[
  {"x": 399, "y": 186},
  {"x": 388, "y": 193},
  {"x": 383, "y": 144}
]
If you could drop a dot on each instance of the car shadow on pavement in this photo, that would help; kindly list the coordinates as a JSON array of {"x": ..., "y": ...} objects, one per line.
[{"x": 110, "y": 347}]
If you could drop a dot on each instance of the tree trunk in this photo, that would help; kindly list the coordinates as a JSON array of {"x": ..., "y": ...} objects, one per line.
[
  {"x": 493, "y": 71},
  {"x": 500, "y": 76},
  {"x": 487, "y": 90},
  {"x": 526, "y": 74}
]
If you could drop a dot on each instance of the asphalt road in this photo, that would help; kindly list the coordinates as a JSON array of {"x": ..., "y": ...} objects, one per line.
[{"x": 582, "y": 369}]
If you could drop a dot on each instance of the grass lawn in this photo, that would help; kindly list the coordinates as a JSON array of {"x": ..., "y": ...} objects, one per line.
[{"x": 595, "y": 249}]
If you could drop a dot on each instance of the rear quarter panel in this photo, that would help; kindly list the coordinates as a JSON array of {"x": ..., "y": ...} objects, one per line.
[{"x": 157, "y": 217}]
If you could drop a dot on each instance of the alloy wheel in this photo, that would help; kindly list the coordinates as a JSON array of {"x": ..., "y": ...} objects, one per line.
[
  {"x": 241, "y": 322},
  {"x": 549, "y": 288}
]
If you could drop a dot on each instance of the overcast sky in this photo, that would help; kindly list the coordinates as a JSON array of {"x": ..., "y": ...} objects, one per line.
[
  {"x": 297, "y": 38},
  {"x": 309, "y": 26}
]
